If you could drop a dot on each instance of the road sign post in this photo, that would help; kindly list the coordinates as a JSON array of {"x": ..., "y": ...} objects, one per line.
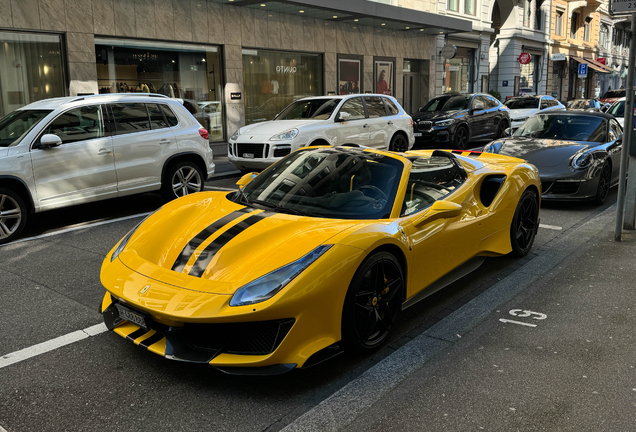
[{"x": 626, "y": 205}]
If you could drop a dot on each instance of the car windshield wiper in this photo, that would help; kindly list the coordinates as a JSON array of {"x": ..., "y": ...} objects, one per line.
[{"x": 242, "y": 196}]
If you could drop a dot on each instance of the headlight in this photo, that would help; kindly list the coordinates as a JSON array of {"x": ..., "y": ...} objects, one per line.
[
  {"x": 444, "y": 122},
  {"x": 489, "y": 148},
  {"x": 582, "y": 160},
  {"x": 267, "y": 286},
  {"x": 287, "y": 135},
  {"x": 236, "y": 134}
]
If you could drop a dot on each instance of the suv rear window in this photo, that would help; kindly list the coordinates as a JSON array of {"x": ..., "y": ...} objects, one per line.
[
  {"x": 130, "y": 118},
  {"x": 170, "y": 117}
]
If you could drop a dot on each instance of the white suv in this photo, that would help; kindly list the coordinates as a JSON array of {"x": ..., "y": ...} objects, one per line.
[
  {"x": 370, "y": 120},
  {"x": 72, "y": 150}
]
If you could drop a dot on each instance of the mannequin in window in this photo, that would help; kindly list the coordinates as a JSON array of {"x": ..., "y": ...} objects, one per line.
[{"x": 382, "y": 86}]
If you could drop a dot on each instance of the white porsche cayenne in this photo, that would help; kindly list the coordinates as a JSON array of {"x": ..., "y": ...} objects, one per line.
[{"x": 369, "y": 120}]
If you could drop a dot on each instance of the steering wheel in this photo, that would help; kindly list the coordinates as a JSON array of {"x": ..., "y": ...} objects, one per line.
[{"x": 373, "y": 192}]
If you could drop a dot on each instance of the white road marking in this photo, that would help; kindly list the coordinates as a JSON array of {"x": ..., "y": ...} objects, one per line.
[
  {"x": 219, "y": 188},
  {"x": 2, "y": 429},
  {"x": 503, "y": 320},
  {"x": 77, "y": 227},
  {"x": 527, "y": 313},
  {"x": 50, "y": 345},
  {"x": 552, "y": 227}
]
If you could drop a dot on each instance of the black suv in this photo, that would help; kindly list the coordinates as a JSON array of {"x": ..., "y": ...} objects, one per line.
[{"x": 455, "y": 119}]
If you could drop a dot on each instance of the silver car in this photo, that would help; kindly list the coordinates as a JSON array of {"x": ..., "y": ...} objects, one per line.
[{"x": 72, "y": 150}]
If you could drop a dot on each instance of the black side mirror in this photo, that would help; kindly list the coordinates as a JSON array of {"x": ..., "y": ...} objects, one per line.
[{"x": 619, "y": 140}]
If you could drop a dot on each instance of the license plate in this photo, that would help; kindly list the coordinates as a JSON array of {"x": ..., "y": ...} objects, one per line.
[
  {"x": 133, "y": 317},
  {"x": 248, "y": 155},
  {"x": 417, "y": 134}
]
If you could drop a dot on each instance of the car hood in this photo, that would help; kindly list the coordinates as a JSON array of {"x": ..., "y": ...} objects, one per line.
[
  {"x": 542, "y": 152},
  {"x": 273, "y": 127},
  {"x": 164, "y": 247},
  {"x": 435, "y": 115},
  {"x": 522, "y": 113}
]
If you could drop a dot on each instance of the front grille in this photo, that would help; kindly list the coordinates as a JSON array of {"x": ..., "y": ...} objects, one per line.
[
  {"x": 281, "y": 151},
  {"x": 252, "y": 338},
  {"x": 565, "y": 188},
  {"x": 545, "y": 187},
  {"x": 425, "y": 126},
  {"x": 254, "y": 149},
  {"x": 229, "y": 149}
]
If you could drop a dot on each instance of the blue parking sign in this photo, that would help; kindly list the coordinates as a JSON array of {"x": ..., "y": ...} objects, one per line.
[{"x": 583, "y": 70}]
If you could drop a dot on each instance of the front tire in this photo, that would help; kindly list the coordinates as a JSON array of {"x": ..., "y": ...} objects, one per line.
[
  {"x": 525, "y": 224},
  {"x": 461, "y": 138},
  {"x": 13, "y": 215},
  {"x": 372, "y": 303},
  {"x": 604, "y": 184},
  {"x": 182, "y": 178}
]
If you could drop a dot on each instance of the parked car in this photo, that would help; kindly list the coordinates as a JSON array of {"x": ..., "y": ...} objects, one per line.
[
  {"x": 618, "y": 110},
  {"x": 456, "y": 119},
  {"x": 612, "y": 96},
  {"x": 523, "y": 107},
  {"x": 369, "y": 120},
  {"x": 577, "y": 153},
  {"x": 584, "y": 105},
  {"x": 319, "y": 252},
  {"x": 72, "y": 150}
]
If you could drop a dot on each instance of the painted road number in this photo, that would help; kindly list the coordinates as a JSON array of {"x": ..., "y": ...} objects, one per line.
[{"x": 524, "y": 314}]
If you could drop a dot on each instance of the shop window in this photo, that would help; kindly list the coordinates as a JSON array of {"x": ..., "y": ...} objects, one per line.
[
  {"x": 274, "y": 79},
  {"x": 458, "y": 72},
  {"x": 586, "y": 29},
  {"x": 453, "y": 5},
  {"x": 30, "y": 69},
  {"x": 470, "y": 6},
  {"x": 528, "y": 74},
  {"x": 189, "y": 72},
  {"x": 558, "y": 24},
  {"x": 79, "y": 124},
  {"x": 574, "y": 24}
]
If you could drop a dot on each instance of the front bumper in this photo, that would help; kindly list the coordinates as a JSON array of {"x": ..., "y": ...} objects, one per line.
[
  {"x": 257, "y": 155},
  {"x": 433, "y": 136},
  {"x": 564, "y": 188}
]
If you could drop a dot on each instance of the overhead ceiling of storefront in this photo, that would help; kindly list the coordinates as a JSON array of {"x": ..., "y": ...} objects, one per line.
[{"x": 363, "y": 12}]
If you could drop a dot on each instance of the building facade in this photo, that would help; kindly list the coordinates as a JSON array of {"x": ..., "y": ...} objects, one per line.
[{"x": 238, "y": 61}]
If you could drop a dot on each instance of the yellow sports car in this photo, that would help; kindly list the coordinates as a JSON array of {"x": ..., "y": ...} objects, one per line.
[{"x": 317, "y": 253}]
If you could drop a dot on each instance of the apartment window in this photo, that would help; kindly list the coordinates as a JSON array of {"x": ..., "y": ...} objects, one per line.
[
  {"x": 453, "y": 5},
  {"x": 586, "y": 29},
  {"x": 538, "y": 14},
  {"x": 574, "y": 23},
  {"x": 527, "y": 10},
  {"x": 604, "y": 36},
  {"x": 558, "y": 24},
  {"x": 470, "y": 6}
]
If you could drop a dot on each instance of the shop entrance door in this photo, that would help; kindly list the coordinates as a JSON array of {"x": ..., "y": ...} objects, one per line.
[{"x": 412, "y": 93}]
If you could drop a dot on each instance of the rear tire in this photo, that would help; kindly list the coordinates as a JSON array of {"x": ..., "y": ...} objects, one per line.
[
  {"x": 604, "y": 184},
  {"x": 525, "y": 224},
  {"x": 399, "y": 143},
  {"x": 501, "y": 128},
  {"x": 372, "y": 303},
  {"x": 13, "y": 215},
  {"x": 182, "y": 178}
]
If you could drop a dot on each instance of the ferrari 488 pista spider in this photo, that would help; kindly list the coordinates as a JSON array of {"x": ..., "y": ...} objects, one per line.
[{"x": 318, "y": 252}]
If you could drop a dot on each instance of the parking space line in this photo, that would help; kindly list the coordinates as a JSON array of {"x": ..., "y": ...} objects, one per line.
[
  {"x": 77, "y": 227},
  {"x": 50, "y": 345},
  {"x": 2, "y": 429},
  {"x": 552, "y": 227}
]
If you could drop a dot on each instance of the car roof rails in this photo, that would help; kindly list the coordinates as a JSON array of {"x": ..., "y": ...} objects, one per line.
[{"x": 140, "y": 94}]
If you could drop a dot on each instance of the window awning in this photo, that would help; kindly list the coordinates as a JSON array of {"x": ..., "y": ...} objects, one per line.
[
  {"x": 599, "y": 64},
  {"x": 590, "y": 65}
]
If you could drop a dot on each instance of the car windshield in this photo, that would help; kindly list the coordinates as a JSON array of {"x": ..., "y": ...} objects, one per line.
[
  {"x": 618, "y": 109},
  {"x": 582, "y": 104},
  {"x": 447, "y": 103},
  {"x": 328, "y": 183},
  {"x": 16, "y": 124},
  {"x": 614, "y": 94},
  {"x": 564, "y": 127},
  {"x": 314, "y": 109},
  {"x": 522, "y": 103}
]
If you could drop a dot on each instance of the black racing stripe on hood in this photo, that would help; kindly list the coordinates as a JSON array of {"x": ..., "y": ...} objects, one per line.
[
  {"x": 193, "y": 244},
  {"x": 208, "y": 253}
]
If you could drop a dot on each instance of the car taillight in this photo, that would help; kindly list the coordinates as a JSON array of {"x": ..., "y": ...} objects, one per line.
[
  {"x": 204, "y": 133},
  {"x": 411, "y": 121}
]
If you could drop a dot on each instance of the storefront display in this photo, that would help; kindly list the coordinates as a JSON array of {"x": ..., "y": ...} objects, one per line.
[
  {"x": 384, "y": 76},
  {"x": 349, "y": 71},
  {"x": 528, "y": 73},
  {"x": 458, "y": 71},
  {"x": 183, "y": 71},
  {"x": 31, "y": 69},
  {"x": 274, "y": 79}
]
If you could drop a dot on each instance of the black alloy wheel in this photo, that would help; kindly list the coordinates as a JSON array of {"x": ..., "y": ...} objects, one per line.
[
  {"x": 461, "y": 138},
  {"x": 525, "y": 224},
  {"x": 13, "y": 215},
  {"x": 501, "y": 128},
  {"x": 604, "y": 184},
  {"x": 399, "y": 143},
  {"x": 373, "y": 302}
]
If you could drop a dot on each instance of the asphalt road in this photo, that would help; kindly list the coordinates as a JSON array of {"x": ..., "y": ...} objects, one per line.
[{"x": 49, "y": 288}]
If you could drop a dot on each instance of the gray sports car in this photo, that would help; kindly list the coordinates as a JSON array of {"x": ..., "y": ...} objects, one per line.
[{"x": 577, "y": 153}]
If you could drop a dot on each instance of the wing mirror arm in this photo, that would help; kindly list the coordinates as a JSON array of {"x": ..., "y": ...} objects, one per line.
[
  {"x": 246, "y": 179},
  {"x": 439, "y": 210},
  {"x": 48, "y": 141}
]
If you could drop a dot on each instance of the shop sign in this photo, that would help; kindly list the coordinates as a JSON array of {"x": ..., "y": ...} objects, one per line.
[
  {"x": 524, "y": 58},
  {"x": 453, "y": 68},
  {"x": 449, "y": 51},
  {"x": 235, "y": 96},
  {"x": 602, "y": 60},
  {"x": 557, "y": 56},
  {"x": 504, "y": 84},
  {"x": 286, "y": 69},
  {"x": 622, "y": 7}
]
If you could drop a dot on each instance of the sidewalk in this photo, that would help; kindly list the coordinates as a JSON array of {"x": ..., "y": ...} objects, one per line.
[{"x": 563, "y": 358}]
